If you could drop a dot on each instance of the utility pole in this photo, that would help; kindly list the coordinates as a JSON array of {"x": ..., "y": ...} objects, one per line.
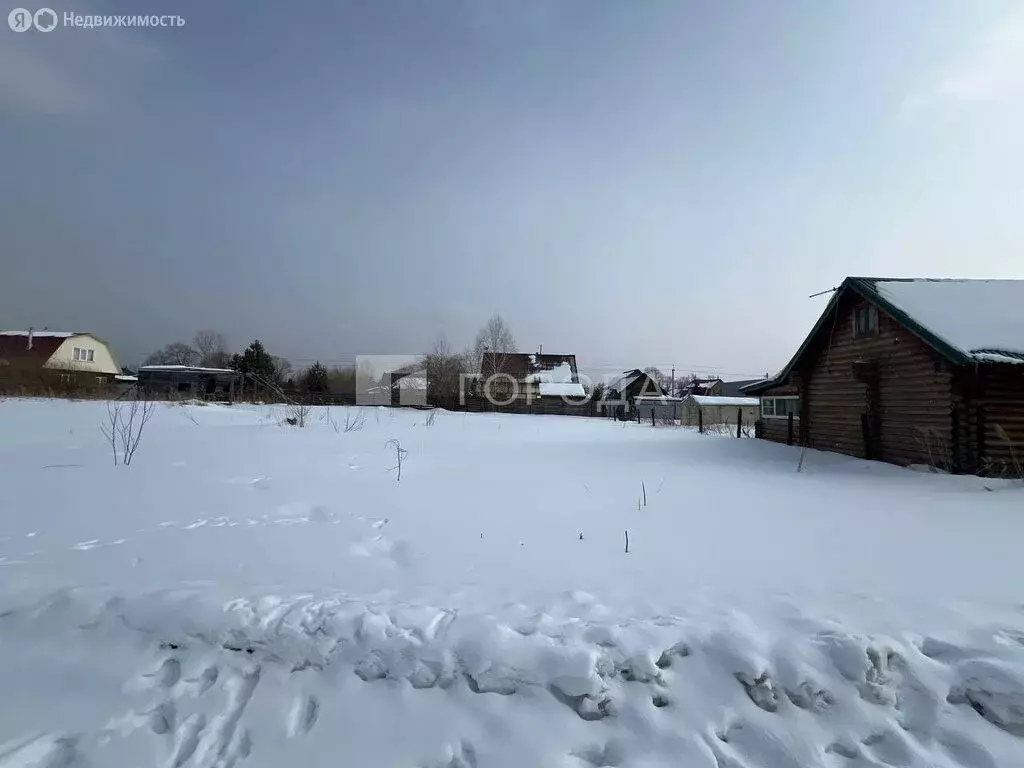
[
  {"x": 541, "y": 350},
  {"x": 672, "y": 383}
]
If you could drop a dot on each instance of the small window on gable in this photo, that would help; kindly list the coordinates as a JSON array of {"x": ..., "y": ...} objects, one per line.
[{"x": 865, "y": 320}]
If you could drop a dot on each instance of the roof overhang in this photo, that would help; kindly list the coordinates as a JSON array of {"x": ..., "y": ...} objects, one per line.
[{"x": 865, "y": 288}]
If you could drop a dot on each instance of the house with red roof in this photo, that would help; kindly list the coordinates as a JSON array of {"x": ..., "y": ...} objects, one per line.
[{"x": 33, "y": 359}]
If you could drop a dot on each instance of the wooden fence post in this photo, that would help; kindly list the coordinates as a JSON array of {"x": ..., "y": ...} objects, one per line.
[
  {"x": 979, "y": 424},
  {"x": 955, "y": 447},
  {"x": 739, "y": 422},
  {"x": 700, "y": 419},
  {"x": 652, "y": 415},
  {"x": 789, "y": 429}
]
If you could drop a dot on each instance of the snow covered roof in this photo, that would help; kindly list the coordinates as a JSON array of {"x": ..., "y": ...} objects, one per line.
[
  {"x": 43, "y": 334},
  {"x": 978, "y": 318},
  {"x": 966, "y": 321},
  {"x": 125, "y": 377},
  {"x": 657, "y": 399},
  {"x": 418, "y": 383},
  {"x": 620, "y": 383},
  {"x": 186, "y": 368},
  {"x": 736, "y": 402},
  {"x": 555, "y": 375},
  {"x": 559, "y": 374},
  {"x": 561, "y": 389}
]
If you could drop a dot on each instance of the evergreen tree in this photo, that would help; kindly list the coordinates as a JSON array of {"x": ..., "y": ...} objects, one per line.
[
  {"x": 315, "y": 379},
  {"x": 256, "y": 361}
]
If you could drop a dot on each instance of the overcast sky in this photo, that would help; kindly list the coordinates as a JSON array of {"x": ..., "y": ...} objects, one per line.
[{"x": 634, "y": 182}]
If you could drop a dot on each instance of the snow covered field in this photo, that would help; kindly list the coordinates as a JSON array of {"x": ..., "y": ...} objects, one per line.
[{"x": 247, "y": 593}]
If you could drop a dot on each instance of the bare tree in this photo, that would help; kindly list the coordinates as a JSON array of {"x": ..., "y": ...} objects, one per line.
[
  {"x": 126, "y": 419},
  {"x": 177, "y": 353},
  {"x": 494, "y": 337},
  {"x": 212, "y": 348},
  {"x": 444, "y": 371},
  {"x": 282, "y": 370},
  {"x": 656, "y": 375}
]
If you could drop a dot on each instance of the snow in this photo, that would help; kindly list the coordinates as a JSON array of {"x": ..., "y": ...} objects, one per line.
[
  {"x": 557, "y": 382},
  {"x": 252, "y": 594},
  {"x": 561, "y": 389},
  {"x": 560, "y": 374},
  {"x": 418, "y": 383},
  {"x": 41, "y": 334},
  {"x": 736, "y": 402},
  {"x": 974, "y": 316},
  {"x": 619, "y": 383},
  {"x": 123, "y": 377},
  {"x": 191, "y": 368}
]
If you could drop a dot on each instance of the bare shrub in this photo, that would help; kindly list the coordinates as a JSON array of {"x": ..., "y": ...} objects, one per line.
[
  {"x": 400, "y": 453},
  {"x": 431, "y": 418},
  {"x": 940, "y": 455},
  {"x": 717, "y": 428},
  {"x": 126, "y": 420},
  {"x": 297, "y": 414},
  {"x": 354, "y": 424},
  {"x": 1014, "y": 465}
]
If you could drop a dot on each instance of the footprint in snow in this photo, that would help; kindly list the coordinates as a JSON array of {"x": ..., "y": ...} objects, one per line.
[
  {"x": 303, "y": 716},
  {"x": 82, "y": 546}
]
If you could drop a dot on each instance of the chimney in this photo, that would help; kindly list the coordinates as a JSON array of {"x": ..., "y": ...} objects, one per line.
[{"x": 30, "y": 337}]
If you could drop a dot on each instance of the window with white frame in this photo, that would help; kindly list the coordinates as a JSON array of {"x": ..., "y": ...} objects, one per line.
[
  {"x": 84, "y": 355},
  {"x": 780, "y": 407}
]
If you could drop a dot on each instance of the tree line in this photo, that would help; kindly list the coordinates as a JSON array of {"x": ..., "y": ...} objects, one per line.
[{"x": 445, "y": 368}]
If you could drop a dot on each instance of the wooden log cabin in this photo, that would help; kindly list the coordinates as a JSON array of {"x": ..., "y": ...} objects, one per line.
[{"x": 927, "y": 372}]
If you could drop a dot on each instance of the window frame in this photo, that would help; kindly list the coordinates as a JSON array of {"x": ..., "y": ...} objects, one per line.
[
  {"x": 872, "y": 325},
  {"x": 84, "y": 355},
  {"x": 773, "y": 415}
]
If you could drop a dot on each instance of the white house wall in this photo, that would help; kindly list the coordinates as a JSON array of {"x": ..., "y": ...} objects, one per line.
[{"x": 103, "y": 361}]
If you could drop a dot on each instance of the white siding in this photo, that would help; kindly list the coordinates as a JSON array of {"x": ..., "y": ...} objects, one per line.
[{"x": 102, "y": 360}]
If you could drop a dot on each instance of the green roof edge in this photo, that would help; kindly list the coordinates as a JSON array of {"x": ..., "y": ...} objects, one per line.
[{"x": 864, "y": 287}]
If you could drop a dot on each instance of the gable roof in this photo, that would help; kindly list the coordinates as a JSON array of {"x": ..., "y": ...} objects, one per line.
[
  {"x": 735, "y": 388},
  {"x": 14, "y": 346},
  {"x": 700, "y": 386},
  {"x": 555, "y": 374},
  {"x": 965, "y": 321},
  {"x": 621, "y": 384},
  {"x": 521, "y": 366}
]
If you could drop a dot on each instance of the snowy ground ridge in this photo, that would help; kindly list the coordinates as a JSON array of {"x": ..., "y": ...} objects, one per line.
[{"x": 813, "y": 695}]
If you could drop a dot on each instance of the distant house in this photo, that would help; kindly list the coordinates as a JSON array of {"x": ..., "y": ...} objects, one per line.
[
  {"x": 714, "y": 410},
  {"x": 712, "y": 386},
  {"x": 53, "y": 359},
  {"x": 518, "y": 376},
  {"x": 735, "y": 388},
  {"x": 190, "y": 382},
  {"x": 408, "y": 385},
  {"x": 909, "y": 372},
  {"x": 621, "y": 393}
]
